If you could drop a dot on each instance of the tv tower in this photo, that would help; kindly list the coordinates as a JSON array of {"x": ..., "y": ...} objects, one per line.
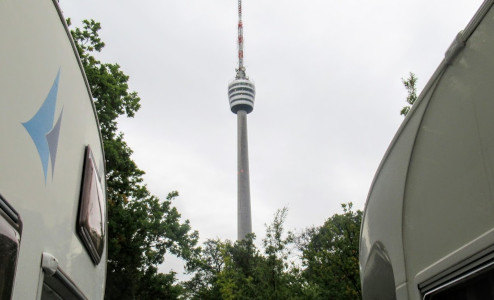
[{"x": 241, "y": 93}]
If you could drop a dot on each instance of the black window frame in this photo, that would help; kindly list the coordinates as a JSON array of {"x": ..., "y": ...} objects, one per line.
[{"x": 93, "y": 241}]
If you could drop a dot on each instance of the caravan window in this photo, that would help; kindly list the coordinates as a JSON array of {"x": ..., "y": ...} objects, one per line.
[
  {"x": 477, "y": 285},
  {"x": 10, "y": 238},
  {"x": 91, "y": 223}
]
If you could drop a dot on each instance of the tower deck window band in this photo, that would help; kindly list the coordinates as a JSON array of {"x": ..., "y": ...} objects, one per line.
[
  {"x": 241, "y": 92},
  {"x": 242, "y": 101},
  {"x": 10, "y": 239}
]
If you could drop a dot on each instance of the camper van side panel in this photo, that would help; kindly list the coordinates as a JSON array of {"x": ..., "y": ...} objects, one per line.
[
  {"x": 46, "y": 121},
  {"x": 449, "y": 195},
  {"x": 383, "y": 217}
]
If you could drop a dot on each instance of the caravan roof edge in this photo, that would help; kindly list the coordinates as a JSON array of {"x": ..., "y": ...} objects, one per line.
[
  {"x": 81, "y": 67},
  {"x": 462, "y": 37}
]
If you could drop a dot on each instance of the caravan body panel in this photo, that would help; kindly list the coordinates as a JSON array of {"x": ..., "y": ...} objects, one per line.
[
  {"x": 47, "y": 119},
  {"x": 430, "y": 209}
]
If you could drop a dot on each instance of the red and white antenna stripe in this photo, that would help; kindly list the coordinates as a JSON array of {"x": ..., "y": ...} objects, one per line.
[{"x": 240, "y": 37}]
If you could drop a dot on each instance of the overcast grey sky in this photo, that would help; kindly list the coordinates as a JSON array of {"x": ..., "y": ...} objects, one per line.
[{"x": 328, "y": 80}]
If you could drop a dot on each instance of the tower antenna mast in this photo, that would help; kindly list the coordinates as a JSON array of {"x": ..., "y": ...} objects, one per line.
[{"x": 241, "y": 68}]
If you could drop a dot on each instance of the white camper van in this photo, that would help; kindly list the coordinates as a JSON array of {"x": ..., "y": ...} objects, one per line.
[
  {"x": 52, "y": 172},
  {"x": 428, "y": 226}
]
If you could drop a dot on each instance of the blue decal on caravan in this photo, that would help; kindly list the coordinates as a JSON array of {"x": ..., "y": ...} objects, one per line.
[{"x": 42, "y": 130}]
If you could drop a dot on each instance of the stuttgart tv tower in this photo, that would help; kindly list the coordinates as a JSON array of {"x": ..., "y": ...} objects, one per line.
[{"x": 241, "y": 93}]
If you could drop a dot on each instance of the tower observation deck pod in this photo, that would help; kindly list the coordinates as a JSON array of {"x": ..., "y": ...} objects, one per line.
[{"x": 241, "y": 93}]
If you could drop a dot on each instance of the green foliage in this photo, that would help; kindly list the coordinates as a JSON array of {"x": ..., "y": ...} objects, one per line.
[
  {"x": 141, "y": 227},
  {"x": 280, "y": 273},
  {"x": 330, "y": 256},
  {"x": 239, "y": 270},
  {"x": 108, "y": 83},
  {"x": 410, "y": 85}
]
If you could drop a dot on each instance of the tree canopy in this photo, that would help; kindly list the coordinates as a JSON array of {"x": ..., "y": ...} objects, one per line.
[
  {"x": 239, "y": 270},
  {"x": 141, "y": 227},
  {"x": 327, "y": 265},
  {"x": 330, "y": 256}
]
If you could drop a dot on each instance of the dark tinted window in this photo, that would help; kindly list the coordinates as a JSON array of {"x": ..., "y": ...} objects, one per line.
[
  {"x": 10, "y": 237},
  {"x": 478, "y": 286}
]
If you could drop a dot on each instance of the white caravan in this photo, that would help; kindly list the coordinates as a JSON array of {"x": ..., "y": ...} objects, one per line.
[
  {"x": 428, "y": 226},
  {"x": 52, "y": 172}
]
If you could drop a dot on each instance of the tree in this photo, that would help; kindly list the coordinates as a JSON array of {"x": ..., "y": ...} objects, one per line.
[
  {"x": 281, "y": 275},
  {"x": 227, "y": 270},
  {"x": 206, "y": 266},
  {"x": 239, "y": 270},
  {"x": 410, "y": 85},
  {"x": 330, "y": 257},
  {"x": 141, "y": 227}
]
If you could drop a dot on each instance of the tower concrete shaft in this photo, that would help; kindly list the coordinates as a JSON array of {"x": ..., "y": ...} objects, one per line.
[{"x": 244, "y": 220}]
